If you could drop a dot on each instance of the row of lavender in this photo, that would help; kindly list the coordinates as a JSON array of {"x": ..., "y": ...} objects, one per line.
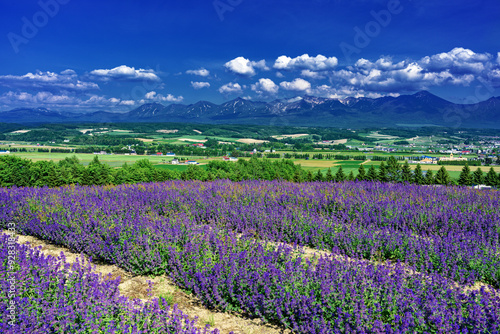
[
  {"x": 171, "y": 228},
  {"x": 447, "y": 230},
  {"x": 451, "y": 231},
  {"x": 52, "y": 296}
]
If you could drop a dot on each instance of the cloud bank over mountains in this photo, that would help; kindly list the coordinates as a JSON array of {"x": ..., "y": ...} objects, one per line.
[{"x": 282, "y": 77}]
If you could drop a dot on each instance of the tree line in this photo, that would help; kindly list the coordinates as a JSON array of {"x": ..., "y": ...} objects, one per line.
[
  {"x": 468, "y": 178},
  {"x": 15, "y": 171},
  {"x": 392, "y": 171}
]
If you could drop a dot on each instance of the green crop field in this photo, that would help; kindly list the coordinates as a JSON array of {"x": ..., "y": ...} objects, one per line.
[
  {"x": 114, "y": 160},
  {"x": 179, "y": 168}
]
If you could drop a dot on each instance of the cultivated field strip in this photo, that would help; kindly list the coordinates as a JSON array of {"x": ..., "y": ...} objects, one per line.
[{"x": 213, "y": 239}]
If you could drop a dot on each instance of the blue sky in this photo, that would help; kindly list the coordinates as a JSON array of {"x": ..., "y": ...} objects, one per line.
[{"x": 77, "y": 55}]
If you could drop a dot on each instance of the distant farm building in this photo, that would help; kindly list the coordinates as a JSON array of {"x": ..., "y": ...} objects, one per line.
[
  {"x": 452, "y": 158},
  {"x": 428, "y": 160}
]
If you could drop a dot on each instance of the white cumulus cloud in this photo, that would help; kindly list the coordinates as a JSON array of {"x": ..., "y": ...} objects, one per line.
[
  {"x": 311, "y": 74},
  {"x": 199, "y": 85},
  {"x": 124, "y": 73},
  {"x": 154, "y": 96},
  {"x": 296, "y": 85},
  {"x": 201, "y": 72},
  {"x": 246, "y": 67},
  {"x": 457, "y": 67},
  {"x": 383, "y": 63},
  {"x": 457, "y": 61},
  {"x": 318, "y": 63},
  {"x": 127, "y": 102},
  {"x": 344, "y": 92},
  {"x": 66, "y": 80},
  {"x": 230, "y": 88},
  {"x": 265, "y": 86},
  {"x": 56, "y": 101}
]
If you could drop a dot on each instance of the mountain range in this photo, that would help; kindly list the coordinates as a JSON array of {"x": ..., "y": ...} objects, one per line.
[{"x": 419, "y": 109}]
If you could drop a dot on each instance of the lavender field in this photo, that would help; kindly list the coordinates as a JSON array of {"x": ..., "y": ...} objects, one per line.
[
  {"x": 56, "y": 297},
  {"x": 360, "y": 257}
]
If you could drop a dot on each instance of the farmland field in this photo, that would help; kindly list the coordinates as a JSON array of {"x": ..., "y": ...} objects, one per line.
[
  {"x": 311, "y": 257},
  {"x": 115, "y": 160},
  {"x": 179, "y": 168}
]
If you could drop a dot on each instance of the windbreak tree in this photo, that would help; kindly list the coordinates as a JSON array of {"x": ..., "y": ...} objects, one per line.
[
  {"x": 372, "y": 174},
  {"x": 465, "y": 178},
  {"x": 492, "y": 179},
  {"x": 361, "y": 173},
  {"x": 429, "y": 177},
  {"x": 340, "y": 176},
  {"x": 15, "y": 171},
  {"x": 406, "y": 175},
  {"x": 97, "y": 173},
  {"x": 442, "y": 177},
  {"x": 382, "y": 173},
  {"x": 477, "y": 176},
  {"x": 393, "y": 170},
  {"x": 329, "y": 176},
  {"x": 418, "y": 176},
  {"x": 318, "y": 176}
]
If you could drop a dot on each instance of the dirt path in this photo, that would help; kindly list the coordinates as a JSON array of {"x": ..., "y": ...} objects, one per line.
[{"x": 137, "y": 287}]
